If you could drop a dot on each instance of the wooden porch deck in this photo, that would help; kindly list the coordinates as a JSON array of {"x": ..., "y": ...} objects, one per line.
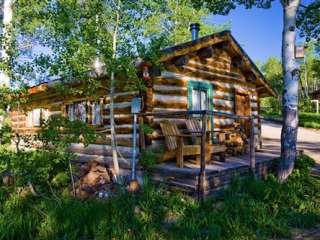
[{"x": 218, "y": 174}]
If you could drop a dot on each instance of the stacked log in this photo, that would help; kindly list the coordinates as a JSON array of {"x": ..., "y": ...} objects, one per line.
[{"x": 95, "y": 179}]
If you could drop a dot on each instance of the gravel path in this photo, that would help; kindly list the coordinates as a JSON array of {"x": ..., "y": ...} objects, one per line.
[{"x": 308, "y": 139}]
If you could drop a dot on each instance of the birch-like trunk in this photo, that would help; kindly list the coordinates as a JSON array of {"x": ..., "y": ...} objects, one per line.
[
  {"x": 290, "y": 93},
  {"x": 112, "y": 90},
  {"x": 7, "y": 19}
]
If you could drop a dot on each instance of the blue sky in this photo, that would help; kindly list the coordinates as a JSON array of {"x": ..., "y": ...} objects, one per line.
[{"x": 257, "y": 30}]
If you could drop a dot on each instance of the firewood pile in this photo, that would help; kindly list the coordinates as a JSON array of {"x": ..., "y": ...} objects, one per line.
[{"x": 95, "y": 180}]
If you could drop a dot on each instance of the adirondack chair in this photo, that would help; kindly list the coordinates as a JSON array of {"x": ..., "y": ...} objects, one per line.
[
  {"x": 175, "y": 146},
  {"x": 194, "y": 127}
]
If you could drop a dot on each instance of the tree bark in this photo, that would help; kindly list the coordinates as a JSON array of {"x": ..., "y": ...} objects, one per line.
[
  {"x": 112, "y": 90},
  {"x": 290, "y": 93},
  {"x": 7, "y": 20}
]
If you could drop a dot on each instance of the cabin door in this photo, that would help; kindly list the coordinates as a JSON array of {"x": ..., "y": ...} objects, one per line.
[{"x": 243, "y": 108}]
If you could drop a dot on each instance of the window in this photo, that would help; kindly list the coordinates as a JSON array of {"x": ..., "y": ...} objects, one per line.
[
  {"x": 200, "y": 100},
  {"x": 37, "y": 116},
  {"x": 80, "y": 110},
  {"x": 96, "y": 114},
  {"x": 199, "y": 96},
  {"x": 77, "y": 111}
]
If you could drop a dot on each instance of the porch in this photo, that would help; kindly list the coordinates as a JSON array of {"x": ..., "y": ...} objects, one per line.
[
  {"x": 211, "y": 177},
  {"x": 218, "y": 175}
]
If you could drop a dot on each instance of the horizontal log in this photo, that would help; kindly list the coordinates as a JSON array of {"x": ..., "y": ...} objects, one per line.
[
  {"x": 165, "y": 103},
  {"x": 117, "y": 111},
  {"x": 119, "y": 119},
  {"x": 224, "y": 109},
  {"x": 159, "y": 109},
  {"x": 103, "y": 140},
  {"x": 229, "y": 98},
  {"x": 18, "y": 119},
  {"x": 54, "y": 113},
  {"x": 170, "y": 90},
  {"x": 217, "y": 92},
  {"x": 119, "y": 105},
  {"x": 84, "y": 158},
  {"x": 191, "y": 71},
  {"x": 102, "y": 150},
  {"x": 120, "y": 129},
  {"x": 164, "y": 80},
  {"x": 223, "y": 103},
  {"x": 119, "y": 98},
  {"x": 170, "y": 99},
  {"x": 198, "y": 66}
]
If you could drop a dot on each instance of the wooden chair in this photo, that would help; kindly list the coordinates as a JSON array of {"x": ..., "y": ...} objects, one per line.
[
  {"x": 194, "y": 127},
  {"x": 176, "y": 147}
]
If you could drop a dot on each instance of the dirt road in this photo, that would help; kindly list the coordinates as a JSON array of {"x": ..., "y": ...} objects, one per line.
[{"x": 308, "y": 139}]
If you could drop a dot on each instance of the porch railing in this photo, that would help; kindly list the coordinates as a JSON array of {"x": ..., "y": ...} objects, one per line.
[{"x": 204, "y": 114}]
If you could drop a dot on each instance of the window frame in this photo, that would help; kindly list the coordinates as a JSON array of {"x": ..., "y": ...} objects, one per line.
[
  {"x": 93, "y": 113},
  {"x": 202, "y": 86},
  {"x": 43, "y": 116}
]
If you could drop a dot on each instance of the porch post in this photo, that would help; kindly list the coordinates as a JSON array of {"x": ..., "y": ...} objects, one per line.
[
  {"x": 252, "y": 146},
  {"x": 202, "y": 174},
  {"x": 259, "y": 124}
]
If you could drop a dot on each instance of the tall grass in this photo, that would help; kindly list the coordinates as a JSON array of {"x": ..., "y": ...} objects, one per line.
[{"x": 251, "y": 209}]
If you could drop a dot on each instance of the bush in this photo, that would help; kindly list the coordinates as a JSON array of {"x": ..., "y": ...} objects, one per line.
[
  {"x": 308, "y": 120},
  {"x": 40, "y": 168},
  {"x": 305, "y": 105},
  {"x": 5, "y": 134},
  {"x": 149, "y": 158},
  {"x": 59, "y": 132}
]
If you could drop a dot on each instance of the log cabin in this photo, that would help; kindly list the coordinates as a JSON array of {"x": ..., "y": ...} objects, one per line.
[{"x": 207, "y": 73}]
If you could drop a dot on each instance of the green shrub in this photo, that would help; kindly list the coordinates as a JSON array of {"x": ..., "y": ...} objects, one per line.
[
  {"x": 308, "y": 120},
  {"x": 59, "y": 132},
  {"x": 149, "y": 158},
  {"x": 5, "y": 134},
  {"x": 305, "y": 105},
  {"x": 40, "y": 168}
]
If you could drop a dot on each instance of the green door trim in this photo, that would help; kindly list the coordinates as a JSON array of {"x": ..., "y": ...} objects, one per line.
[{"x": 205, "y": 86}]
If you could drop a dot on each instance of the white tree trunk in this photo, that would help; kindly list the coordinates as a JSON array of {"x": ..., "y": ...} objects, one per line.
[
  {"x": 112, "y": 89},
  {"x": 7, "y": 19},
  {"x": 290, "y": 93}
]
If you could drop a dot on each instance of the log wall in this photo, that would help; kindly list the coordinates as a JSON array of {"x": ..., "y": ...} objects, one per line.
[
  {"x": 170, "y": 90},
  {"x": 101, "y": 148}
]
